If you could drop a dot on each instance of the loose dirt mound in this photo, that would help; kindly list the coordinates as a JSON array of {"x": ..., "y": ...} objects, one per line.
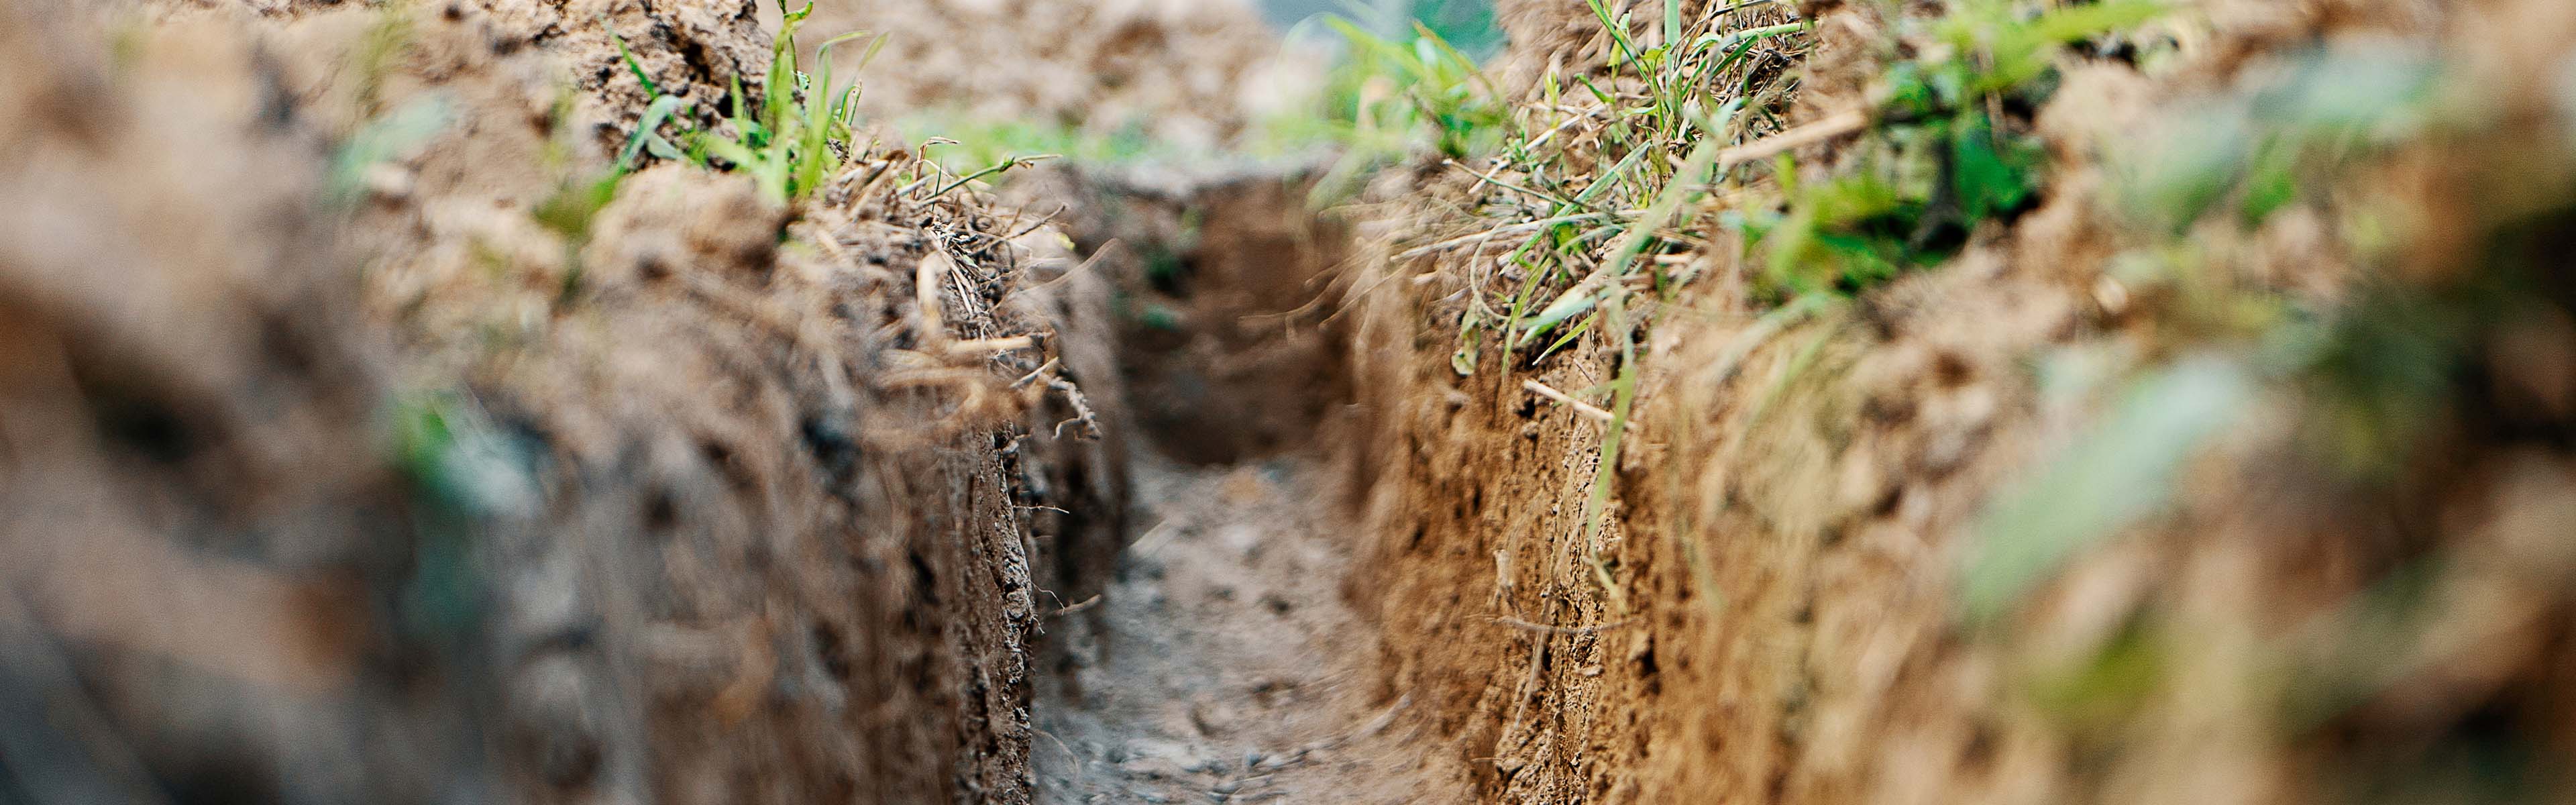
[
  {"x": 603, "y": 49},
  {"x": 412, "y": 463}
]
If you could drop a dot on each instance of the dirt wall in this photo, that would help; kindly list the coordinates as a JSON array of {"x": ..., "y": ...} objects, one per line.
[
  {"x": 356, "y": 451},
  {"x": 1793, "y": 594}
]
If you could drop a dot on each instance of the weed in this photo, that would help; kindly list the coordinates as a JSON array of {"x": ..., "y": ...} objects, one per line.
[
  {"x": 1946, "y": 153},
  {"x": 1390, "y": 92},
  {"x": 1388, "y": 98},
  {"x": 457, "y": 457},
  {"x": 464, "y": 470},
  {"x": 1652, "y": 113},
  {"x": 801, "y": 130},
  {"x": 790, "y": 140}
]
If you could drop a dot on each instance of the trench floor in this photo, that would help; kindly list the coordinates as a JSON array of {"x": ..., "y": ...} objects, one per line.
[{"x": 1225, "y": 663}]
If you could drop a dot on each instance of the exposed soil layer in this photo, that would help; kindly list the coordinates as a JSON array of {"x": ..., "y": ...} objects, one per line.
[
  {"x": 1210, "y": 651},
  {"x": 690, "y": 50},
  {"x": 1791, "y": 596},
  {"x": 406, "y": 469},
  {"x": 1223, "y": 293},
  {"x": 360, "y": 442}
]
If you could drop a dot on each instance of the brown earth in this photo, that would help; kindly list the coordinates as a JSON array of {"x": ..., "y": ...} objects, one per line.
[
  {"x": 455, "y": 483},
  {"x": 409, "y": 479},
  {"x": 347, "y": 456},
  {"x": 1210, "y": 651},
  {"x": 1781, "y": 604},
  {"x": 1225, "y": 289},
  {"x": 692, "y": 50},
  {"x": 1219, "y": 662},
  {"x": 1189, "y": 74}
]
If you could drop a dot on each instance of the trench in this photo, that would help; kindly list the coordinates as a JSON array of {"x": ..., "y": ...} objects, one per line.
[{"x": 1210, "y": 648}]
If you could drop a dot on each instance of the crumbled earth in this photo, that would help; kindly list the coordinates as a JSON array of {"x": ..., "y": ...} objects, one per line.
[
  {"x": 1191, "y": 74},
  {"x": 1221, "y": 663},
  {"x": 1210, "y": 651},
  {"x": 357, "y": 443},
  {"x": 406, "y": 470},
  {"x": 1780, "y": 604}
]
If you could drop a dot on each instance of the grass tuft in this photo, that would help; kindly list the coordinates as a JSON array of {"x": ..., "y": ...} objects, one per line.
[
  {"x": 1944, "y": 155},
  {"x": 791, "y": 132}
]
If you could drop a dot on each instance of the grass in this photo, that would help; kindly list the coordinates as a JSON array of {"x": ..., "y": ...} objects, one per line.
[
  {"x": 1676, "y": 93},
  {"x": 797, "y": 134},
  {"x": 2128, "y": 469},
  {"x": 1585, "y": 238},
  {"x": 386, "y": 138},
  {"x": 1389, "y": 95},
  {"x": 1598, "y": 191},
  {"x": 792, "y": 131},
  {"x": 2365, "y": 382},
  {"x": 2267, "y": 145}
]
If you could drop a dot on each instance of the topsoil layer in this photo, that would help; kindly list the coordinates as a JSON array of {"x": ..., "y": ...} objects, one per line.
[
  {"x": 1780, "y": 606},
  {"x": 354, "y": 452}
]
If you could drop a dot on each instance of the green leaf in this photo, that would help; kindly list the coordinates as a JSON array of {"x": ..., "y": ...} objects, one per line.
[
  {"x": 729, "y": 151},
  {"x": 651, "y": 90},
  {"x": 1987, "y": 179},
  {"x": 2020, "y": 52},
  {"x": 2271, "y": 183},
  {"x": 570, "y": 209},
  {"x": 2125, "y": 471}
]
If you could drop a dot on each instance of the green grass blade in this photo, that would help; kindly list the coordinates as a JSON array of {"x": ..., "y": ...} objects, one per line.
[
  {"x": 654, "y": 114},
  {"x": 651, "y": 89}
]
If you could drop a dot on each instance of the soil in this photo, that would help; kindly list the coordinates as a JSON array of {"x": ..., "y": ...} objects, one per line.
[
  {"x": 1189, "y": 74},
  {"x": 410, "y": 474},
  {"x": 345, "y": 457},
  {"x": 1224, "y": 291},
  {"x": 688, "y": 497},
  {"x": 1782, "y": 610},
  {"x": 1211, "y": 652},
  {"x": 1224, "y": 664}
]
